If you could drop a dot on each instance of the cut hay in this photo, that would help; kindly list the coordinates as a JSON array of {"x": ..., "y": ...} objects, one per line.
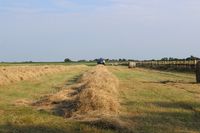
[
  {"x": 13, "y": 74},
  {"x": 131, "y": 64},
  {"x": 93, "y": 99},
  {"x": 99, "y": 95},
  {"x": 2, "y": 112},
  {"x": 22, "y": 102}
]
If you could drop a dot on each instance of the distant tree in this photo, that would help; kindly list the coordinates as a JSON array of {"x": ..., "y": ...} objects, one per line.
[
  {"x": 164, "y": 59},
  {"x": 123, "y": 59},
  {"x": 107, "y": 60},
  {"x": 82, "y": 60},
  {"x": 171, "y": 58},
  {"x": 174, "y": 59},
  {"x": 95, "y": 60},
  {"x": 67, "y": 60},
  {"x": 192, "y": 58},
  {"x": 28, "y": 62}
]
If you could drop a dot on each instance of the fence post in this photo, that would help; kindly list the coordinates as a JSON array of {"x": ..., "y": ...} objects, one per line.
[{"x": 198, "y": 71}]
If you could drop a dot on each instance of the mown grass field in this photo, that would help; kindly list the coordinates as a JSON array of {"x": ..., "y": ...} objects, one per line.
[
  {"x": 152, "y": 101},
  {"x": 159, "y": 102}
]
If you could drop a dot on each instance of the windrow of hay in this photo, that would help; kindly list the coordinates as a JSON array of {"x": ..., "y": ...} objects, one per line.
[
  {"x": 98, "y": 95},
  {"x": 12, "y": 74},
  {"x": 93, "y": 99}
]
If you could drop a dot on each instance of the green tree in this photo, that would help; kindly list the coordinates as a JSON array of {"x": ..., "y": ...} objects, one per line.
[{"x": 67, "y": 60}]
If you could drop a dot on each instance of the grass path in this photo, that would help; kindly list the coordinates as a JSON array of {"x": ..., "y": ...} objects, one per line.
[{"x": 159, "y": 102}]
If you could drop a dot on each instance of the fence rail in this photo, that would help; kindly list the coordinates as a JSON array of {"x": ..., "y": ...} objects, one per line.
[{"x": 179, "y": 65}]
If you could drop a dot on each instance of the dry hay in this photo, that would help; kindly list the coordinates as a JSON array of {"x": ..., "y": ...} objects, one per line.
[
  {"x": 99, "y": 94},
  {"x": 131, "y": 64},
  {"x": 2, "y": 112},
  {"x": 22, "y": 102},
  {"x": 12, "y": 74},
  {"x": 93, "y": 99}
]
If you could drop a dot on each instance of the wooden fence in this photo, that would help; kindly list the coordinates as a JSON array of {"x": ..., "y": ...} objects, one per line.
[{"x": 187, "y": 65}]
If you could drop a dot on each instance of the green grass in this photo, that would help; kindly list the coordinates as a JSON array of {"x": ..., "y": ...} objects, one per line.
[
  {"x": 159, "y": 102},
  {"x": 152, "y": 101},
  {"x": 22, "y": 119}
]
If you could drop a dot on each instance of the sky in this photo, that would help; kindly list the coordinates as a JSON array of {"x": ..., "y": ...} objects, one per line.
[{"x": 51, "y": 30}]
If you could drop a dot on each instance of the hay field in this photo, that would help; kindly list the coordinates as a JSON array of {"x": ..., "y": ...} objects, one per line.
[
  {"x": 11, "y": 74},
  {"x": 100, "y": 100}
]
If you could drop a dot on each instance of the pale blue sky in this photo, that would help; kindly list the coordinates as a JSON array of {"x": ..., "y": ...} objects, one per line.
[{"x": 50, "y": 30}]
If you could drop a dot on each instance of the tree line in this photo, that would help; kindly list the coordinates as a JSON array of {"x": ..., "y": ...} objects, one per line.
[{"x": 125, "y": 60}]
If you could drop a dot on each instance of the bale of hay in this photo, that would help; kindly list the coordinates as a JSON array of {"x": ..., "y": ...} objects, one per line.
[
  {"x": 198, "y": 72},
  {"x": 116, "y": 64},
  {"x": 131, "y": 64}
]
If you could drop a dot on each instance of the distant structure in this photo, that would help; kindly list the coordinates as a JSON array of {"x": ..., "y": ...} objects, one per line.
[
  {"x": 131, "y": 64},
  {"x": 101, "y": 61},
  {"x": 198, "y": 72}
]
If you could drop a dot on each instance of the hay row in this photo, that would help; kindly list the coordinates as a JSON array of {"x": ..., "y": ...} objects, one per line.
[
  {"x": 93, "y": 99},
  {"x": 98, "y": 95},
  {"x": 95, "y": 94},
  {"x": 12, "y": 74}
]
